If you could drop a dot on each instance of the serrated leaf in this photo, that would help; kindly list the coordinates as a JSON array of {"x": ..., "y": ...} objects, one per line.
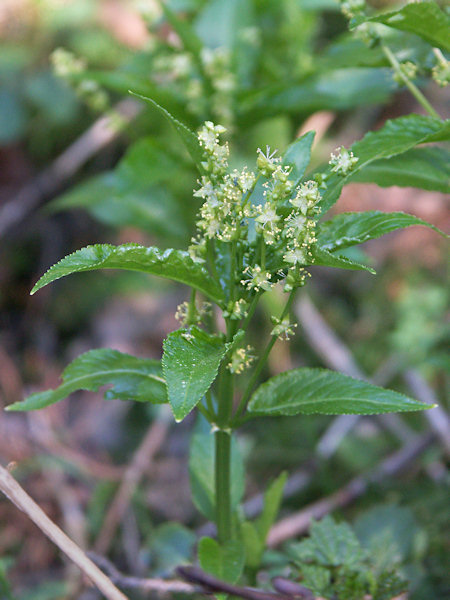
[
  {"x": 189, "y": 138},
  {"x": 320, "y": 391},
  {"x": 226, "y": 561},
  {"x": 190, "y": 364},
  {"x": 348, "y": 229},
  {"x": 298, "y": 155},
  {"x": 425, "y": 19},
  {"x": 202, "y": 470},
  {"x": 424, "y": 168},
  {"x": 395, "y": 137},
  {"x": 330, "y": 544},
  {"x": 171, "y": 264},
  {"x": 131, "y": 378},
  {"x": 323, "y": 258}
]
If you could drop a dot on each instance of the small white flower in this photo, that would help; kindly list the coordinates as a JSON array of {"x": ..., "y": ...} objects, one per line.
[
  {"x": 283, "y": 329},
  {"x": 307, "y": 197},
  {"x": 267, "y": 163},
  {"x": 296, "y": 256},
  {"x": 258, "y": 279},
  {"x": 267, "y": 216},
  {"x": 343, "y": 162}
]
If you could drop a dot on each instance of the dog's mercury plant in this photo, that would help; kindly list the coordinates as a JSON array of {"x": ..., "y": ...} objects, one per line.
[{"x": 258, "y": 227}]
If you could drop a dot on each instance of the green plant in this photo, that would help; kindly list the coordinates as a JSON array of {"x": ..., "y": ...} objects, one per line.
[{"x": 255, "y": 229}]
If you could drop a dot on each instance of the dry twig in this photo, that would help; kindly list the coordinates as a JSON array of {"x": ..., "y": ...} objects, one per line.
[{"x": 18, "y": 496}]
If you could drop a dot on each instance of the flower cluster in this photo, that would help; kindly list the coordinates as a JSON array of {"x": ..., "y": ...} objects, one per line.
[
  {"x": 192, "y": 315},
  {"x": 65, "y": 64},
  {"x": 181, "y": 71},
  {"x": 240, "y": 360},
  {"x": 441, "y": 71},
  {"x": 408, "y": 70},
  {"x": 272, "y": 233}
]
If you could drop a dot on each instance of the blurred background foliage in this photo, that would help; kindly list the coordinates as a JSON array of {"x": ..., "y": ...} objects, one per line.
[{"x": 268, "y": 70}]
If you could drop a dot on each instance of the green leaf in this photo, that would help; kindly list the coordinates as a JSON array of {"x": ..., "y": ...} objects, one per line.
[
  {"x": 348, "y": 229},
  {"x": 320, "y": 391},
  {"x": 190, "y": 363},
  {"x": 323, "y": 258},
  {"x": 119, "y": 202},
  {"x": 330, "y": 544},
  {"x": 253, "y": 545},
  {"x": 219, "y": 24},
  {"x": 189, "y": 138},
  {"x": 298, "y": 155},
  {"x": 187, "y": 35},
  {"x": 424, "y": 168},
  {"x": 201, "y": 470},
  {"x": 425, "y": 19},
  {"x": 226, "y": 562},
  {"x": 254, "y": 534},
  {"x": 395, "y": 137},
  {"x": 171, "y": 264},
  {"x": 339, "y": 89},
  {"x": 131, "y": 378},
  {"x": 272, "y": 501}
]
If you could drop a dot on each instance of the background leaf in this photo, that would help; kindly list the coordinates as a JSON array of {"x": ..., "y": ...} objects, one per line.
[
  {"x": 424, "y": 168},
  {"x": 190, "y": 363},
  {"x": 425, "y": 19},
  {"x": 131, "y": 378},
  {"x": 171, "y": 264},
  {"x": 320, "y": 391},
  {"x": 348, "y": 229},
  {"x": 298, "y": 155},
  {"x": 201, "y": 470},
  {"x": 395, "y": 137}
]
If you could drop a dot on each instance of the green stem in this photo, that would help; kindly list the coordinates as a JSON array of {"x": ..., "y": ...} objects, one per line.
[
  {"x": 261, "y": 364},
  {"x": 409, "y": 84},
  {"x": 191, "y": 309},
  {"x": 223, "y": 485},
  {"x": 251, "y": 310}
]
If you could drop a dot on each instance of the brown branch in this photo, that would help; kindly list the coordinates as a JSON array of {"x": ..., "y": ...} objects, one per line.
[
  {"x": 18, "y": 496},
  {"x": 298, "y": 523},
  {"x": 143, "y": 456},
  {"x": 201, "y": 582},
  {"x": 99, "y": 135},
  {"x": 162, "y": 586}
]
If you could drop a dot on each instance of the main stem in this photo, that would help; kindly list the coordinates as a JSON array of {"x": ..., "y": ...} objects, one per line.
[{"x": 223, "y": 485}]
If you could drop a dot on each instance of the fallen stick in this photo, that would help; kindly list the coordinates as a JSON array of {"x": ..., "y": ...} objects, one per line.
[{"x": 19, "y": 497}]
